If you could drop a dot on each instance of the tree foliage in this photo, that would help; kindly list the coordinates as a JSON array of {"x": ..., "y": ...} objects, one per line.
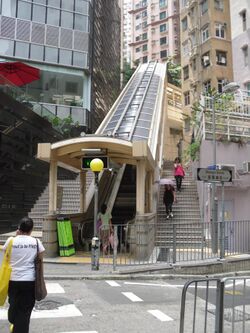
[{"x": 174, "y": 73}]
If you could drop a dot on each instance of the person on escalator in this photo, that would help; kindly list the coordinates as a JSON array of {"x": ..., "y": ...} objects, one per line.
[
  {"x": 106, "y": 227},
  {"x": 168, "y": 199}
]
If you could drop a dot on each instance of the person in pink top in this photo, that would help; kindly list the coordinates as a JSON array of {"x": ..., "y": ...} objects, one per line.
[{"x": 179, "y": 173}]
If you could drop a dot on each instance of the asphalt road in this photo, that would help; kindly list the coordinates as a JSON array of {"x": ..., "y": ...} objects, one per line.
[{"x": 127, "y": 306}]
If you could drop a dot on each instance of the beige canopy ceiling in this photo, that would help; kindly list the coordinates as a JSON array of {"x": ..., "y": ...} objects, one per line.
[{"x": 68, "y": 153}]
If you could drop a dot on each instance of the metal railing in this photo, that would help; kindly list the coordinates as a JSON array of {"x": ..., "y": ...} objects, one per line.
[
  {"x": 215, "y": 305},
  {"x": 232, "y": 119},
  {"x": 150, "y": 243}
]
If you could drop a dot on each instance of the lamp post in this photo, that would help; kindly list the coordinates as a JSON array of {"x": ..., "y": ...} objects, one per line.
[
  {"x": 228, "y": 88},
  {"x": 96, "y": 165}
]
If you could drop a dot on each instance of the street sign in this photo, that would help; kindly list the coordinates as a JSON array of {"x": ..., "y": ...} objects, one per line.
[
  {"x": 86, "y": 160},
  {"x": 208, "y": 175}
]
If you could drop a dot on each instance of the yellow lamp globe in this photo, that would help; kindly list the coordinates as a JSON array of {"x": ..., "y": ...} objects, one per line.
[{"x": 96, "y": 165}]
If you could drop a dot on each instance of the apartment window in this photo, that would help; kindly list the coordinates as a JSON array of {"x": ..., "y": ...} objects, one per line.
[
  {"x": 187, "y": 98},
  {"x": 185, "y": 72},
  {"x": 163, "y": 15},
  {"x": 205, "y": 59},
  {"x": 184, "y": 3},
  {"x": 144, "y": 3},
  {"x": 243, "y": 15},
  {"x": 144, "y": 36},
  {"x": 207, "y": 86},
  {"x": 184, "y": 24},
  {"x": 144, "y": 24},
  {"x": 163, "y": 27},
  {"x": 138, "y": 26},
  {"x": 24, "y": 10},
  {"x": 205, "y": 33},
  {"x": 221, "y": 84},
  {"x": 247, "y": 87},
  {"x": 145, "y": 59},
  {"x": 67, "y": 19},
  {"x": 185, "y": 48},
  {"x": 22, "y": 50},
  {"x": 145, "y": 47},
  {"x": 194, "y": 64},
  {"x": 163, "y": 40},
  {"x": 144, "y": 14},
  {"x": 220, "y": 30},
  {"x": 39, "y": 13},
  {"x": 218, "y": 4},
  {"x": 204, "y": 6},
  {"x": 137, "y": 38},
  {"x": 221, "y": 58},
  {"x": 138, "y": 49},
  {"x": 163, "y": 54},
  {"x": 193, "y": 37},
  {"x": 138, "y": 16},
  {"x": 245, "y": 54},
  {"x": 162, "y": 3}
]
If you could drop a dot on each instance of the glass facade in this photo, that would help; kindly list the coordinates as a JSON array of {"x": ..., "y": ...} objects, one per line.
[{"x": 61, "y": 22}]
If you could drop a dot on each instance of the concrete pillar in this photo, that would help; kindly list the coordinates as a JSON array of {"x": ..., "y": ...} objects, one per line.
[
  {"x": 52, "y": 187},
  {"x": 82, "y": 191},
  {"x": 50, "y": 236},
  {"x": 140, "y": 186},
  {"x": 150, "y": 192}
]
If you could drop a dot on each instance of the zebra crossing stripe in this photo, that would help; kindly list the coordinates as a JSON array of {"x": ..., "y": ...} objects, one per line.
[
  {"x": 160, "y": 315},
  {"x": 132, "y": 297},
  {"x": 64, "y": 311},
  {"x": 112, "y": 283},
  {"x": 54, "y": 288}
]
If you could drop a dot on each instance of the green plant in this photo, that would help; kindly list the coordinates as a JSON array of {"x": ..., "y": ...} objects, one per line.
[
  {"x": 192, "y": 151},
  {"x": 173, "y": 73}
]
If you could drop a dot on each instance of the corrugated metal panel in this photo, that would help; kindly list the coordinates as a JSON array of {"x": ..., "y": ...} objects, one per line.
[
  {"x": 37, "y": 33},
  {"x": 23, "y": 30},
  {"x": 52, "y": 36},
  {"x": 8, "y": 27}
]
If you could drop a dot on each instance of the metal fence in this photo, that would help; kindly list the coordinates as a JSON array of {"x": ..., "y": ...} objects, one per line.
[
  {"x": 149, "y": 243},
  {"x": 216, "y": 306}
]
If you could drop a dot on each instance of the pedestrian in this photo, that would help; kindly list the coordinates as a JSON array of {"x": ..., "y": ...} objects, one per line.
[
  {"x": 169, "y": 199},
  {"x": 179, "y": 173},
  {"x": 106, "y": 227},
  {"x": 22, "y": 281}
]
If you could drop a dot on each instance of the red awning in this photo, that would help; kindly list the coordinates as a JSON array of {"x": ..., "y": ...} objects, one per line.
[{"x": 18, "y": 73}]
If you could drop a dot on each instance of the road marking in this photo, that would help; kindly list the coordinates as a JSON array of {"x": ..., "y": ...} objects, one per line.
[
  {"x": 80, "y": 332},
  {"x": 168, "y": 285},
  {"x": 132, "y": 297},
  {"x": 160, "y": 315},
  {"x": 54, "y": 288},
  {"x": 112, "y": 283},
  {"x": 69, "y": 310}
]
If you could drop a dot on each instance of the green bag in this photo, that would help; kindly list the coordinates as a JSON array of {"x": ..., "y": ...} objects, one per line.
[{"x": 5, "y": 273}]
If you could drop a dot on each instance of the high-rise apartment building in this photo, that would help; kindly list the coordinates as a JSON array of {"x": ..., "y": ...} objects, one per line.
[
  {"x": 76, "y": 46},
  {"x": 155, "y": 30},
  {"x": 206, "y": 55},
  {"x": 240, "y": 26},
  {"x": 126, "y": 7}
]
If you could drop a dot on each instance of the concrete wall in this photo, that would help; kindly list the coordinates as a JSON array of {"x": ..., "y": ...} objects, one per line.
[
  {"x": 239, "y": 39},
  {"x": 237, "y": 194}
]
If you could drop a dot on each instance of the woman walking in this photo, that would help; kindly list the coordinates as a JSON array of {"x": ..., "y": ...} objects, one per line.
[
  {"x": 22, "y": 281},
  {"x": 169, "y": 199},
  {"x": 179, "y": 173},
  {"x": 106, "y": 227}
]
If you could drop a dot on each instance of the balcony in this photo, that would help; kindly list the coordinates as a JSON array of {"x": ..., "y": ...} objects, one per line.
[{"x": 232, "y": 120}]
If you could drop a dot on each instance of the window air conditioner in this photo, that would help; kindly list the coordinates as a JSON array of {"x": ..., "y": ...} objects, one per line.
[
  {"x": 231, "y": 167},
  {"x": 246, "y": 166}
]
